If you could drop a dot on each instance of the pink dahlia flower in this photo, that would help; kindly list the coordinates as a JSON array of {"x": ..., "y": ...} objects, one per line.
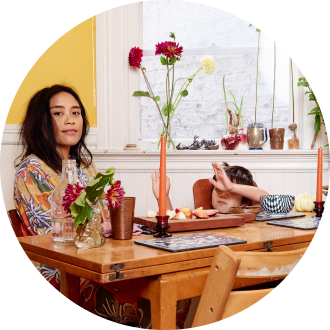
[
  {"x": 72, "y": 192},
  {"x": 169, "y": 48},
  {"x": 115, "y": 195},
  {"x": 135, "y": 57}
]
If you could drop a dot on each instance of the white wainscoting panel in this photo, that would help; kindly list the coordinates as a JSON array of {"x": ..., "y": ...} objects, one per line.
[{"x": 279, "y": 172}]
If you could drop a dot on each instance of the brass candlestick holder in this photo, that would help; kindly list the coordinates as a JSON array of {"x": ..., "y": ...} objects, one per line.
[
  {"x": 162, "y": 225},
  {"x": 318, "y": 209}
]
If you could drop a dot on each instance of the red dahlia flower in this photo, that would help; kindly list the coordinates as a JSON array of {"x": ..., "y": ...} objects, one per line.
[
  {"x": 135, "y": 57},
  {"x": 72, "y": 192},
  {"x": 115, "y": 195},
  {"x": 169, "y": 48}
]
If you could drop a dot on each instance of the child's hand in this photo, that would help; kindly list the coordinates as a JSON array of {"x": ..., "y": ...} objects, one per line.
[
  {"x": 155, "y": 178},
  {"x": 223, "y": 183}
]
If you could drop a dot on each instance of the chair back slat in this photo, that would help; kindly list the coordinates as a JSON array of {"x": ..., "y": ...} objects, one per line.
[
  {"x": 253, "y": 268},
  {"x": 15, "y": 222},
  {"x": 217, "y": 287}
]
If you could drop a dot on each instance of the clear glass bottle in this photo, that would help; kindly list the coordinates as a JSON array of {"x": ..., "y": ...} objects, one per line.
[{"x": 63, "y": 230}]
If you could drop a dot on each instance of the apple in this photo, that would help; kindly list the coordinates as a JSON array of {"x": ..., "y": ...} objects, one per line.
[
  {"x": 180, "y": 216},
  {"x": 210, "y": 213},
  {"x": 187, "y": 212},
  {"x": 201, "y": 214}
]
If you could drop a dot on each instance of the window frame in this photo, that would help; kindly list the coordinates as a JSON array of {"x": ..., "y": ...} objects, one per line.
[{"x": 118, "y": 113}]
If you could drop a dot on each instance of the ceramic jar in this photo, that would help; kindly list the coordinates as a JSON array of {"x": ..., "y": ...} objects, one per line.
[{"x": 276, "y": 136}]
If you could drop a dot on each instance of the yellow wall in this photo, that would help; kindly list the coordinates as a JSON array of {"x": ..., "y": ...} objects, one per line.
[{"x": 70, "y": 61}]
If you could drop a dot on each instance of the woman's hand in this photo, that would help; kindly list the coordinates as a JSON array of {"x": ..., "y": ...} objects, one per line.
[
  {"x": 223, "y": 183},
  {"x": 155, "y": 178}
]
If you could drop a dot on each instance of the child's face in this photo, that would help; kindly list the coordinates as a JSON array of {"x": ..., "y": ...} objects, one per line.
[{"x": 224, "y": 200}]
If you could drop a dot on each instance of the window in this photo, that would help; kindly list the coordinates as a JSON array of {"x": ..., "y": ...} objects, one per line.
[{"x": 204, "y": 30}]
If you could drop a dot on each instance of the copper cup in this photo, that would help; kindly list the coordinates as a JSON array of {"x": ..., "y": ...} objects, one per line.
[
  {"x": 122, "y": 219},
  {"x": 276, "y": 138}
]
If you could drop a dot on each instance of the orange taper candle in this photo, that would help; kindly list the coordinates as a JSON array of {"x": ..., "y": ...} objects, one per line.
[
  {"x": 319, "y": 175},
  {"x": 162, "y": 182}
]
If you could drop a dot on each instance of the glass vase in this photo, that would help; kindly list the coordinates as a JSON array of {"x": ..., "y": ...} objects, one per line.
[
  {"x": 294, "y": 142},
  {"x": 169, "y": 133},
  {"x": 62, "y": 221},
  {"x": 89, "y": 234}
]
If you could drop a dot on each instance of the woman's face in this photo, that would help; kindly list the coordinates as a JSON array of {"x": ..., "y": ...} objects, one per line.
[
  {"x": 224, "y": 200},
  {"x": 67, "y": 119}
]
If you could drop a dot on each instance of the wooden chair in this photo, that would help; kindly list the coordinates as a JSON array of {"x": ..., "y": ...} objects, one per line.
[
  {"x": 218, "y": 301},
  {"x": 202, "y": 191},
  {"x": 15, "y": 222}
]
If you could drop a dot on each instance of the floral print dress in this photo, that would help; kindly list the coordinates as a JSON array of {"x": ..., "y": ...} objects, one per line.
[{"x": 33, "y": 186}]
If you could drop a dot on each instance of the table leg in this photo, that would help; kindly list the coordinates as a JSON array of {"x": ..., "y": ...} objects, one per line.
[
  {"x": 163, "y": 302},
  {"x": 70, "y": 286}
]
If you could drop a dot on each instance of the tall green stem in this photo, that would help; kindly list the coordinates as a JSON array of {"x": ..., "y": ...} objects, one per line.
[
  {"x": 274, "y": 82},
  {"x": 292, "y": 91},
  {"x": 255, "y": 111}
]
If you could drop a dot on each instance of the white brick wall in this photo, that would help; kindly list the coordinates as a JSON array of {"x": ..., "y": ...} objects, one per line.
[{"x": 203, "y": 30}]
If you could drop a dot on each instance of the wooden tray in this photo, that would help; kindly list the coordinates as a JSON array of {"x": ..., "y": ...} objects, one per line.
[{"x": 217, "y": 221}]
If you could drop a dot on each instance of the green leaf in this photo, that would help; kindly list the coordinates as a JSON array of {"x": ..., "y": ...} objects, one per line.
[
  {"x": 224, "y": 90},
  {"x": 240, "y": 107},
  {"x": 172, "y": 60},
  {"x": 172, "y": 35},
  {"x": 75, "y": 209},
  {"x": 144, "y": 69},
  {"x": 257, "y": 30},
  {"x": 165, "y": 111},
  {"x": 81, "y": 199},
  {"x": 233, "y": 98},
  {"x": 302, "y": 79},
  {"x": 163, "y": 60},
  {"x": 302, "y": 83},
  {"x": 80, "y": 217},
  {"x": 250, "y": 25},
  {"x": 184, "y": 93},
  {"x": 317, "y": 124},
  {"x": 141, "y": 93},
  {"x": 110, "y": 170},
  {"x": 311, "y": 97},
  {"x": 156, "y": 98},
  {"x": 327, "y": 145},
  {"x": 89, "y": 212}
]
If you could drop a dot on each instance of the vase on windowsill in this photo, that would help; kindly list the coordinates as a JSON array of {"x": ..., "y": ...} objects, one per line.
[
  {"x": 276, "y": 138},
  {"x": 256, "y": 136}
]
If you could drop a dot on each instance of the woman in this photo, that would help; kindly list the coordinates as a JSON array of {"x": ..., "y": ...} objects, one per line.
[{"x": 54, "y": 128}]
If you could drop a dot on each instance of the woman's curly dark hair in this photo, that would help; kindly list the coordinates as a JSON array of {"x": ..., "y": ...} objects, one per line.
[{"x": 37, "y": 133}]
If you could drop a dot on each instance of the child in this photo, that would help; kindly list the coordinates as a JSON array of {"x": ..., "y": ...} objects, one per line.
[{"x": 232, "y": 186}]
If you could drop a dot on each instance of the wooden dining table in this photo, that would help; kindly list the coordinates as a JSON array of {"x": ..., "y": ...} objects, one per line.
[{"x": 160, "y": 276}]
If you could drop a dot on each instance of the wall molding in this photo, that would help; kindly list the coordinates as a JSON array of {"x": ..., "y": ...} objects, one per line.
[
  {"x": 200, "y": 161},
  {"x": 11, "y": 135}
]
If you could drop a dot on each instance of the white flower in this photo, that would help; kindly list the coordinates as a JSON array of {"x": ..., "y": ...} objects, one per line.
[{"x": 208, "y": 63}]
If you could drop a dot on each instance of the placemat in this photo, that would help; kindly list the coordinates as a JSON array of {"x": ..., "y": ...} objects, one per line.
[
  {"x": 308, "y": 223},
  {"x": 263, "y": 216},
  {"x": 189, "y": 242}
]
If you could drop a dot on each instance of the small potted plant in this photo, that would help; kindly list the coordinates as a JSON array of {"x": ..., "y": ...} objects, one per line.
[{"x": 234, "y": 123}]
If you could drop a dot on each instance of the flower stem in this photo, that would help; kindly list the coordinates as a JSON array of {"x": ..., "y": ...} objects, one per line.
[
  {"x": 255, "y": 111},
  {"x": 153, "y": 97},
  {"x": 292, "y": 91},
  {"x": 274, "y": 82}
]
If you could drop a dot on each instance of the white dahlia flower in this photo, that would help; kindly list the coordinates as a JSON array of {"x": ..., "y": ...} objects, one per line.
[{"x": 208, "y": 63}]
